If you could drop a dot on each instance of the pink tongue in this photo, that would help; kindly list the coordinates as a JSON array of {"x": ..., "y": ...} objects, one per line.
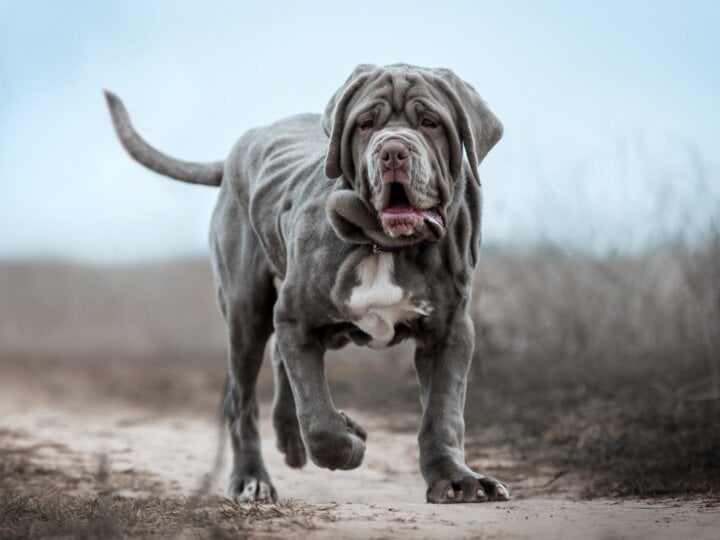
[{"x": 400, "y": 210}]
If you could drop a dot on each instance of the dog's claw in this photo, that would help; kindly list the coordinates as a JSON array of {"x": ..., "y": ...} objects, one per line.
[
  {"x": 502, "y": 493},
  {"x": 252, "y": 490},
  {"x": 468, "y": 489}
]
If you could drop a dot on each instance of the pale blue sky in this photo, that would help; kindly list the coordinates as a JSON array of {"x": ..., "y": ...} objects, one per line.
[{"x": 610, "y": 108}]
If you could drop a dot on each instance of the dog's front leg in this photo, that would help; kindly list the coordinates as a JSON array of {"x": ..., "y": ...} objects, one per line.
[
  {"x": 442, "y": 369},
  {"x": 332, "y": 439}
]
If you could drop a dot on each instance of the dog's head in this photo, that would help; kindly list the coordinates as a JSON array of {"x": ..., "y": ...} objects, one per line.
[{"x": 397, "y": 135}]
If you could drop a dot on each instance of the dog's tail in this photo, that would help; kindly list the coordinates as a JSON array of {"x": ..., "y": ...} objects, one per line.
[{"x": 209, "y": 174}]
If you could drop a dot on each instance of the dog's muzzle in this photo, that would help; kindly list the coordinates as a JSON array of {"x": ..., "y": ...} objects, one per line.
[{"x": 403, "y": 212}]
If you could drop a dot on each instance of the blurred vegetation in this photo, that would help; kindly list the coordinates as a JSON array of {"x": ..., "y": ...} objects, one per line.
[{"x": 605, "y": 365}]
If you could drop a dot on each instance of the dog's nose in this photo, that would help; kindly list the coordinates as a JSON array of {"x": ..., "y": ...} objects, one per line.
[{"x": 393, "y": 155}]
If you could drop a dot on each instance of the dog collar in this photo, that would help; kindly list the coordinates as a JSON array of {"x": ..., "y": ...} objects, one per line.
[{"x": 377, "y": 248}]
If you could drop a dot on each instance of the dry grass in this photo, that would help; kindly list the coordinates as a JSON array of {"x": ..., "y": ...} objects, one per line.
[
  {"x": 32, "y": 509},
  {"x": 113, "y": 516}
]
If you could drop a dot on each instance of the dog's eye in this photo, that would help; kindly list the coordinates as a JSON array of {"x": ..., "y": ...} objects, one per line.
[
  {"x": 428, "y": 123},
  {"x": 366, "y": 124}
]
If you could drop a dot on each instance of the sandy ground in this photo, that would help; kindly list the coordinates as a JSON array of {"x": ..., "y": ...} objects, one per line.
[{"x": 167, "y": 454}]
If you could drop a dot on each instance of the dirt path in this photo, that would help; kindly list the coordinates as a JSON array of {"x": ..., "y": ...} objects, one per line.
[{"x": 168, "y": 455}]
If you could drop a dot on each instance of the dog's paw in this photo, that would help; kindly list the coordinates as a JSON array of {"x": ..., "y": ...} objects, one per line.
[
  {"x": 251, "y": 489},
  {"x": 467, "y": 489},
  {"x": 340, "y": 446}
]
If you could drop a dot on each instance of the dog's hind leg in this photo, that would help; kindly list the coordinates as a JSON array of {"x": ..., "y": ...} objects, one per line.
[
  {"x": 246, "y": 295},
  {"x": 249, "y": 480},
  {"x": 285, "y": 420}
]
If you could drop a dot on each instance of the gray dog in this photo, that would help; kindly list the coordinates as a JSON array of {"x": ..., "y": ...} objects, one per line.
[{"x": 360, "y": 225}]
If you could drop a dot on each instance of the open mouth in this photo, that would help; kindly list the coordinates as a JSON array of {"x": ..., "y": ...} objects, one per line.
[
  {"x": 398, "y": 196},
  {"x": 401, "y": 218}
]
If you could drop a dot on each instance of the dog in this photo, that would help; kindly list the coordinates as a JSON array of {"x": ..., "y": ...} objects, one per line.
[{"x": 359, "y": 225}]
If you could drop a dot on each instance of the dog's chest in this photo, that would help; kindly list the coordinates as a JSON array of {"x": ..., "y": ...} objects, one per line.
[{"x": 377, "y": 304}]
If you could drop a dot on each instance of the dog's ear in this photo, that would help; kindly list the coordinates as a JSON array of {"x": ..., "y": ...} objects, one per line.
[
  {"x": 334, "y": 118},
  {"x": 479, "y": 128}
]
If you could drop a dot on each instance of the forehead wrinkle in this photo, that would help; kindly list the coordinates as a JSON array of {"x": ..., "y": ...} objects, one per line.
[
  {"x": 401, "y": 85},
  {"x": 430, "y": 97},
  {"x": 423, "y": 92},
  {"x": 374, "y": 96}
]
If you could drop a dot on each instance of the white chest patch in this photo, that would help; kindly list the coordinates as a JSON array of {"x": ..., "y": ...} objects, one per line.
[{"x": 378, "y": 304}]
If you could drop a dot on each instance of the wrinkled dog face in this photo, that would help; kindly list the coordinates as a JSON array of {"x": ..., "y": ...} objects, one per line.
[
  {"x": 399, "y": 165},
  {"x": 397, "y": 135}
]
